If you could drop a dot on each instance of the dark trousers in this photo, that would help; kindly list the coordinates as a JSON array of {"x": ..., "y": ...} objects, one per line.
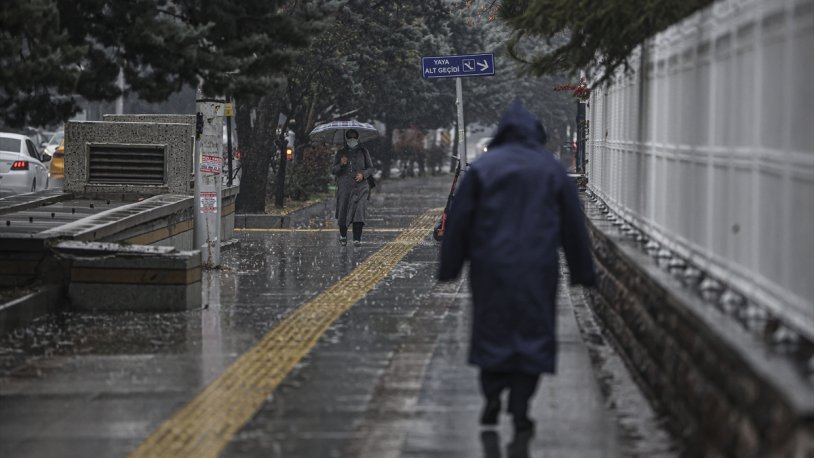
[
  {"x": 521, "y": 388},
  {"x": 357, "y": 231}
]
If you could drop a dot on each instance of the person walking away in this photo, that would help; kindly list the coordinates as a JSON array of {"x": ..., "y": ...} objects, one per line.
[
  {"x": 514, "y": 208},
  {"x": 352, "y": 167}
]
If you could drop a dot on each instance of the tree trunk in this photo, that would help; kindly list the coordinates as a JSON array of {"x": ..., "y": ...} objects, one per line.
[
  {"x": 256, "y": 139},
  {"x": 311, "y": 117},
  {"x": 387, "y": 151}
]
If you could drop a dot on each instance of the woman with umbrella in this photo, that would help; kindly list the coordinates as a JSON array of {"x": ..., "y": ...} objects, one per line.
[{"x": 352, "y": 168}]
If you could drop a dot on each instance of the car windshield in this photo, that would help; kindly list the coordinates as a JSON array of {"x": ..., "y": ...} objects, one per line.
[
  {"x": 56, "y": 138},
  {"x": 12, "y": 145}
]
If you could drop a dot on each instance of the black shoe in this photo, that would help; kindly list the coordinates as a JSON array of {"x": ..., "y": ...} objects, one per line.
[
  {"x": 519, "y": 446},
  {"x": 490, "y": 413},
  {"x": 523, "y": 425},
  {"x": 343, "y": 240},
  {"x": 357, "y": 243},
  {"x": 490, "y": 440}
]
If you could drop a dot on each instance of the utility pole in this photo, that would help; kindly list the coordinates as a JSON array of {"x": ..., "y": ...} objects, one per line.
[
  {"x": 229, "y": 112},
  {"x": 120, "y": 98},
  {"x": 582, "y": 132},
  {"x": 208, "y": 163},
  {"x": 582, "y": 127},
  {"x": 282, "y": 142},
  {"x": 460, "y": 124}
]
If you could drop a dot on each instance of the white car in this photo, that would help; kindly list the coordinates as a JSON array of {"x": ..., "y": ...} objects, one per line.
[
  {"x": 21, "y": 166},
  {"x": 52, "y": 144}
]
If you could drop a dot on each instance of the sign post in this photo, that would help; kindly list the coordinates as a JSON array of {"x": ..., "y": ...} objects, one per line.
[
  {"x": 208, "y": 165},
  {"x": 459, "y": 100},
  {"x": 459, "y": 66}
]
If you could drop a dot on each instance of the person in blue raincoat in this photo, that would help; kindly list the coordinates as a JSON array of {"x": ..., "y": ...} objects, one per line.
[{"x": 514, "y": 208}]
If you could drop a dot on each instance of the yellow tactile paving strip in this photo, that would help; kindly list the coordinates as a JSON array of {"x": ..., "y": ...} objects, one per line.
[
  {"x": 383, "y": 229},
  {"x": 205, "y": 426}
]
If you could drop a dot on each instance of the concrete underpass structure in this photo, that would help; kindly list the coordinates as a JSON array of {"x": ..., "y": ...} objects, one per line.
[
  {"x": 701, "y": 184},
  {"x": 121, "y": 229}
]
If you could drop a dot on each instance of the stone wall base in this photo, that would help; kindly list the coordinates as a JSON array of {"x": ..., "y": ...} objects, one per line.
[{"x": 727, "y": 393}]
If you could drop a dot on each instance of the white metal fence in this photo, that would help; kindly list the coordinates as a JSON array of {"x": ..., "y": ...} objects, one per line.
[{"x": 709, "y": 148}]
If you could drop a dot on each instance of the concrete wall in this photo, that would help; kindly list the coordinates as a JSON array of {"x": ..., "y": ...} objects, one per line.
[
  {"x": 709, "y": 149},
  {"x": 189, "y": 120},
  {"x": 110, "y": 277},
  {"x": 165, "y": 220},
  {"x": 172, "y": 226},
  {"x": 227, "y": 216},
  {"x": 174, "y": 138}
]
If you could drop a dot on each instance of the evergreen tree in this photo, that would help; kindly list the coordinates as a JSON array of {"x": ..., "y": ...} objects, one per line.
[
  {"x": 54, "y": 51},
  {"x": 596, "y": 37}
]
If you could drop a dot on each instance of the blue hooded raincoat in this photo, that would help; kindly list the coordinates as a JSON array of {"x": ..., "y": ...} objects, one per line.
[{"x": 514, "y": 208}]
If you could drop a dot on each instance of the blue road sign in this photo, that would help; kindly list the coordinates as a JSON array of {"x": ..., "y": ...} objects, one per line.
[{"x": 458, "y": 66}]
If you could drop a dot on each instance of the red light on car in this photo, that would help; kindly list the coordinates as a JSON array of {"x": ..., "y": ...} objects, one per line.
[{"x": 19, "y": 165}]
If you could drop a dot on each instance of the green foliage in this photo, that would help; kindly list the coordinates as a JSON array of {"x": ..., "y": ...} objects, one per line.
[
  {"x": 35, "y": 53},
  {"x": 588, "y": 35},
  {"x": 309, "y": 174},
  {"x": 365, "y": 64},
  {"x": 54, "y": 51},
  {"x": 487, "y": 98}
]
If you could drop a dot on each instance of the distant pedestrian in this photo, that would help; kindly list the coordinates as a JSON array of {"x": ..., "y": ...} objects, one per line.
[
  {"x": 514, "y": 208},
  {"x": 352, "y": 167}
]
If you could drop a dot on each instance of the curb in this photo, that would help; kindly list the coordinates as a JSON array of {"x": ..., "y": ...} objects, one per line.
[
  {"x": 293, "y": 218},
  {"x": 21, "y": 312},
  {"x": 229, "y": 244},
  {"x": 300, "y": 217}
]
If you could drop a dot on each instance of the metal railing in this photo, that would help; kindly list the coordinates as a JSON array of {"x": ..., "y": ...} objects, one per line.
[{"x": 708, "y": 148}]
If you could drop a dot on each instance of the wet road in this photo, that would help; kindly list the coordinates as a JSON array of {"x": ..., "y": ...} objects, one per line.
[{"x": 375, "y": 366}]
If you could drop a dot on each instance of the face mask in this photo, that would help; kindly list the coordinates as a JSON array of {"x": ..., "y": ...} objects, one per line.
[{"x": 353, "y": 143}]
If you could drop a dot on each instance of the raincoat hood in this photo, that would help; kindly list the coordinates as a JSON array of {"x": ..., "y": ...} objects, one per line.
[{"x": 519, "y": 125}]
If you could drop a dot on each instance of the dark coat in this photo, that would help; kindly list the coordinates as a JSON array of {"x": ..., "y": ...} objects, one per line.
[
  {"x": 352, "y": 197},
  {"x": 514, "y": 208}
]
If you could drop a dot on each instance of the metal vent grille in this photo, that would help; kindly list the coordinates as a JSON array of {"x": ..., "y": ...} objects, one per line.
[{"x": 127, "y": 164}]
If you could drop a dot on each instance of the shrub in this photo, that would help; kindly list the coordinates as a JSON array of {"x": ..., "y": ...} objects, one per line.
[{"x": 310, "y": 172}]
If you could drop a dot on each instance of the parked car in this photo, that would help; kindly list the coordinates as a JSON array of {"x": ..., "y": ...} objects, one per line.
[
  {"x": 38, "y": 136},
  {"x": 53, "y": 142},
  {"x": 56, "y": 173},
  {"x": 21, "y": 165}
]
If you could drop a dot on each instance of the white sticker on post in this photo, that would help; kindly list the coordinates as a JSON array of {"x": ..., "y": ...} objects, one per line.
[
  {"x": 209, "y": 202},
  {"x": 211, "y": 164}
]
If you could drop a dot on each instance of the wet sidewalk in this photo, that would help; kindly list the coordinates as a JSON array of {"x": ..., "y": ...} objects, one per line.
[{"x": 305, "y": 348}]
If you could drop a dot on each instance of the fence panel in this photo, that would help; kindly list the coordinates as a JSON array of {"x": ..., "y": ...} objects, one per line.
[{"x": 709, "y": 148}]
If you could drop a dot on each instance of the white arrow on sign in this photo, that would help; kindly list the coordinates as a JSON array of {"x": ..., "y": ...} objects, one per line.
[{"x": 483, "y": 65}]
